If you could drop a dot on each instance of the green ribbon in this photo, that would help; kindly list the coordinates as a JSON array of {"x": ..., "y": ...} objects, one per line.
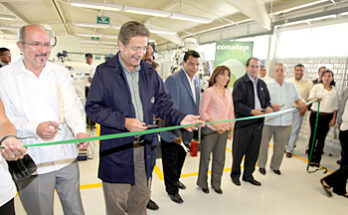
[{"x": 149, "y": 131}]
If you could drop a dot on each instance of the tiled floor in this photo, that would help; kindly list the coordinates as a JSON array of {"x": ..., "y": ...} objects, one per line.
[{"x": 294, "y": 192}]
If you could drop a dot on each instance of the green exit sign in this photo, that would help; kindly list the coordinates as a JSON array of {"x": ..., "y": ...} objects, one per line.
[
  {"x": 97, "y": 57},
  {"x": 95, "y": 38},
  {"x": 103, "y": 20}
]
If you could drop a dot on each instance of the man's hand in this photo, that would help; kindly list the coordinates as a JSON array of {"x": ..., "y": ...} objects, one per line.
[
  {"x": 269, "y": 110},
  {"x": 47, "y": 130},
  {"x": 192, "y": 119},
  {"x": 177, "y": 140},
  {"x": 256, "y": 112},
  {"x": 13, "y": 149},
  {"x": 82, "y": 145},
  {"x": 132, "y": 124},
  {"x": 275, "y": 107},
  {"x": 301, "y": 104},
  {"x": 332, "y": 123},
  {"x": 303, "y": 111}
]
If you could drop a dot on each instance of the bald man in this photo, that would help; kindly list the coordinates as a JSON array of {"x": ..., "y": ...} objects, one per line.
[{"x": 41, "y": 102}]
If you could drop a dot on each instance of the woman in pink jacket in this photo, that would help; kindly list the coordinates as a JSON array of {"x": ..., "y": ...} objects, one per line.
[{"x": 217, "y": 104}]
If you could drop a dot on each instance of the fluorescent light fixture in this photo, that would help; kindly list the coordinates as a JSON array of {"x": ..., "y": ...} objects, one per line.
[
  {"x": 9, "y": 28},
  {"x": 145, "y": 11},
  {"x": 96, "y": 5},
  {"x": 96, "y": 25},
  {"x": 7, "y": 17},
  {"x": 99, "y": 42},
  {"x": 344, "y": 13},
  {"x": 97, "y": 35},
  {"x": 138, "y": 10},
  {"x": 186, "y": 17},
  {"x": 161, "y": 31}
]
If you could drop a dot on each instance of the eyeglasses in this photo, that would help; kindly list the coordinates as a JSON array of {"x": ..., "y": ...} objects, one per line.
[{"x": 38, "y": 44}]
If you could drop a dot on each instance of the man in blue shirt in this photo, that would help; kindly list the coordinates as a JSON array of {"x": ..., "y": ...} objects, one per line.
[{"x": 124, "y": 95}]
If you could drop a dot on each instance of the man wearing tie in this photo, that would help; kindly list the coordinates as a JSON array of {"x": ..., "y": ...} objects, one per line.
[{"x": 183, "y": 87}]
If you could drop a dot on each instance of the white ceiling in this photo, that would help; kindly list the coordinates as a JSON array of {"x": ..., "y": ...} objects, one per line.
[{"x": 61, "y": 16}]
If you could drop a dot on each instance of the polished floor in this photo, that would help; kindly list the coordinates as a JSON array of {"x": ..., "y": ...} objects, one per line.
[{"x": 293, "y": 192}]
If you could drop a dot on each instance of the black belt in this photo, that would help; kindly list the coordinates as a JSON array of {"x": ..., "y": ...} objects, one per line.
[{"x": 322, "y": 113}]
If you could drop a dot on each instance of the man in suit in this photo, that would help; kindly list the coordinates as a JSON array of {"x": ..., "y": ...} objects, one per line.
[
  {"x": 183, "y": 87},
  {"x": 5, "y": 56},
  {"x": 250, "y": 98},
  {"x": 124, "y": 95}
]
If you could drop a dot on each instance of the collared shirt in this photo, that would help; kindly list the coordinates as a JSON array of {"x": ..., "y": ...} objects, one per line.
[
  {"x": 256, "y": 97},
  {"x": 217, "y": 107},
  {"x": 31, "y": 100},
  {"x": 329, "y": 99},
  {"x": 7, "y": 187},
  {"x": 344, "y": 125},
  {"x": 303, "y": 86},
  {"x": 133, "y": 83},
  {"x": 192, "y": 85},
  {"x": 91, "y": 73},
  {"x": 2, "y": 64},
  {"x": 284, "y": 95}
]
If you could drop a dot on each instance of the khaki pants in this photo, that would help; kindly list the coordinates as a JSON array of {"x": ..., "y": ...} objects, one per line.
[
  {"x": 123, "y": 199},
  {"x": 280, "y": 136}
]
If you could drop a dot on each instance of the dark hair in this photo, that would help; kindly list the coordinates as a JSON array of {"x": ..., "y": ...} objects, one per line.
[
  {"x": 192, "y": 53},
  {"x": 154, "y": 64},
  {"x": 326, "y": 71},
  {"x": 132, "y": 29},
  {"x": 3, "y": 49},
  {"x": 251, "y": 58},
  {"x": 322, "y": 67},
  {"x": 217, "y": 71},
  {"x": 299, "y": 65},
  {"x": 88, "y": 55}
]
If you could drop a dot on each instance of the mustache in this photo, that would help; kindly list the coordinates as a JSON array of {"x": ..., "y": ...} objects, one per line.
[
  {"x": 137, "y": 57},
  {"x": 41, "y": 54}
]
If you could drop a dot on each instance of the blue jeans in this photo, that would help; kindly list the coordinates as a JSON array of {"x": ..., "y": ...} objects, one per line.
[
  {"x": 154, "y": 151},
  {"x": 295, "y": 130}
]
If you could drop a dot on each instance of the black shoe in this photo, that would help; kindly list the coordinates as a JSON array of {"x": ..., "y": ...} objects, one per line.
[
  {"x": 252, "y": 181},
  {"x": 205, "y": 190},
  {"x": 236, "y": 181},
  {"x": 176, "y": 198},
  {"x": 218, "y": 190},
  {"x": 276, "y": 171},
  {"x": 262, "y": 171},
  {"x": 181, "y": 185},
  {"x": 152, "y": 205}
]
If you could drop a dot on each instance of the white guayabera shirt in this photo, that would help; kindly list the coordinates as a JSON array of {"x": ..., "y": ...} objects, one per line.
[{"x": 30, "y": 100}]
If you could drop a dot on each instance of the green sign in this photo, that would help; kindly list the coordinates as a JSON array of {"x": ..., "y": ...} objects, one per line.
[
  {"x": 95, "y": 38},
  {"x": 233, "y": 55},
  {"x": 103, "y": 20},
  {"x": 97, "y": 57}
]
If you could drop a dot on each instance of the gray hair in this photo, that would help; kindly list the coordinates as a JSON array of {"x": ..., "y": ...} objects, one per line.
[
  {"x": 21, "y": 33},
  {"x": 280, "y": 64},
  {"x": 132, "y": 29}
]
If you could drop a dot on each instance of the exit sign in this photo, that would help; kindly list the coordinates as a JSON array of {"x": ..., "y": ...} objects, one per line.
[
  {"x": 97, "y": 57},
  {"x": 103, "y": 20},
  {"x": 95, "y": 38}
]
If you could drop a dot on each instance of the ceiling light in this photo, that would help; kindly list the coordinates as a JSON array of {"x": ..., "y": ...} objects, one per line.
[
  {"x": 137, "y": 10},
  {"x": 7, "y": 17},
  {"x": 145, "y": 11},
  {"x": 160, "y": 31},
  {"x": 97, "y": 35},
  {"x": 95, "y": 5},
  {"x": 96, "y": 25},
  {"x": 190, "y": 18},
  {"x": 99, "y": 41},
  {"x": 9, "y": 28}
]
